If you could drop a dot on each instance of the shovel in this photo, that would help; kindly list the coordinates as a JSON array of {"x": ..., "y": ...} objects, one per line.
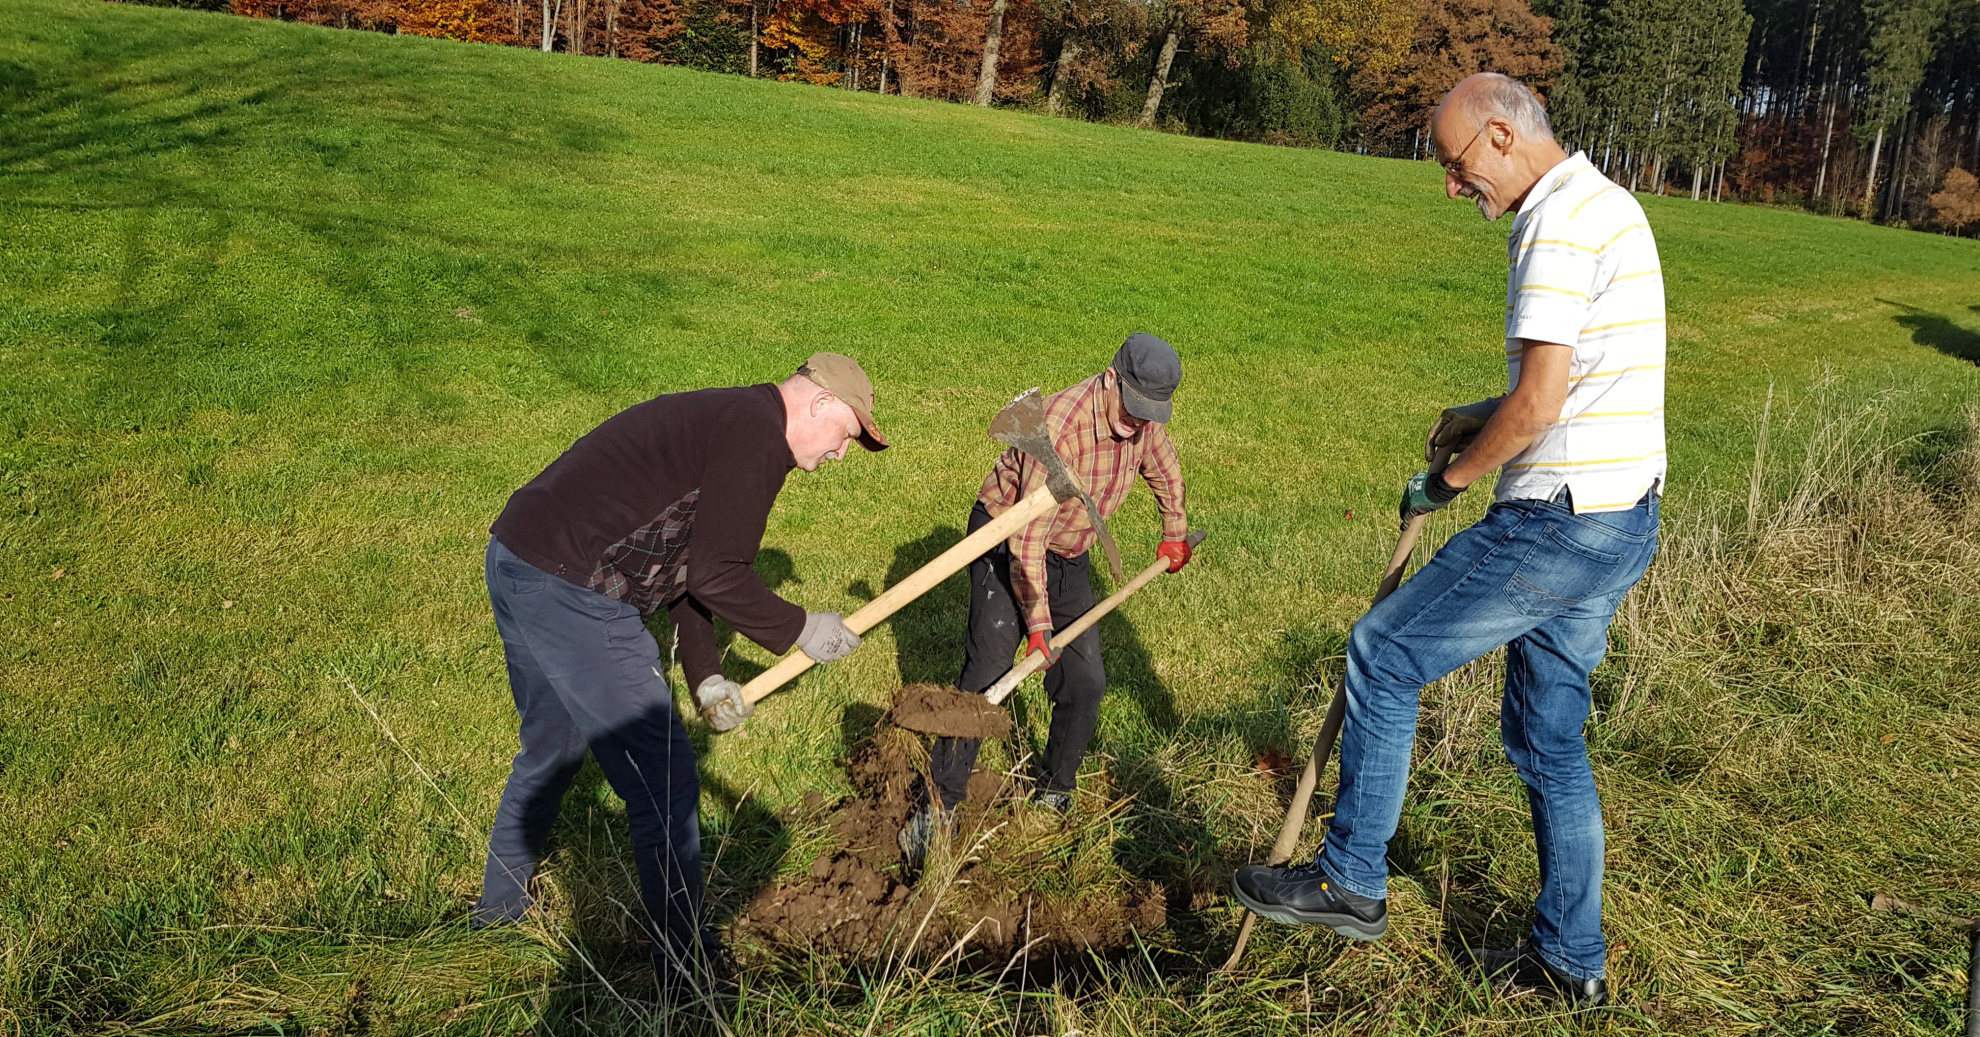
[
  {"x": 946, "y": 712},
  {"x": 1020, "y": 424},
  {"x": 1035, "y": 661},
  {"x": 1330, "y": 729}
]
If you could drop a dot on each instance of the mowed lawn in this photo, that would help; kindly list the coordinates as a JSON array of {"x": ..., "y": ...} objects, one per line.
[{"x": 286, "y": 313}]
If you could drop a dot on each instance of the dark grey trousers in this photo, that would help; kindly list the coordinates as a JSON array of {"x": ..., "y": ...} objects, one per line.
[
  {"x": 586, "y": 675},
  {"x": 995, "y": 633}
]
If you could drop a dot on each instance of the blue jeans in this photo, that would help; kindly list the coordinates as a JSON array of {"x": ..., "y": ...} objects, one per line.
[
  {"x": 586, "y": 674},
  {"x": 1544, "y": 582}
]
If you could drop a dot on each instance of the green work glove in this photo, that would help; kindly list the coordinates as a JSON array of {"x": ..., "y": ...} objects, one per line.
[{"x": 1424, "y": 493}]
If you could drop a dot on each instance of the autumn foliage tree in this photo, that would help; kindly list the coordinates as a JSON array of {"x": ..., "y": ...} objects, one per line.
[
  {"x": 1451, "y": 40},
  {"x": 1957, "y": 202}
]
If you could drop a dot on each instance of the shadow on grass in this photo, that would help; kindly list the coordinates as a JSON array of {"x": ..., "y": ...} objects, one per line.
[{"x": 1939, "y": 332}]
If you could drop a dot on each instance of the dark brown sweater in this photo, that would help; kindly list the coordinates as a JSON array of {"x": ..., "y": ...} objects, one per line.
[{"x": 665, "y": 504}]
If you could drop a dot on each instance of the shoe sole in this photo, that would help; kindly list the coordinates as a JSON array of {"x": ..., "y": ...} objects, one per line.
[{"x": 1346, "y": 925}]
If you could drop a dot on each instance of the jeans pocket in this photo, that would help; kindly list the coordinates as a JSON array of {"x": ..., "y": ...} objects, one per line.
[
  {"x": 520, "y": 577},
  {"x": 1558, "y": 573}
]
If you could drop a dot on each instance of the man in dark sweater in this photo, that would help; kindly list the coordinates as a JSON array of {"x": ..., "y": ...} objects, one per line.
[{"x": 663, "y": 505}]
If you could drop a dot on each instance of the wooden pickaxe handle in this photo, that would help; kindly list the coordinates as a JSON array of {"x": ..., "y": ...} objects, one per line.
[
  {"x": 1330, "y": 729},
  {"x": 1035, "y": 661},
  {"x": 1037, "y": 503}
]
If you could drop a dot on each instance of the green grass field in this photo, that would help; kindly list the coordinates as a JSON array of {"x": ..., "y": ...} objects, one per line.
[{"x": 286, "y": 313}]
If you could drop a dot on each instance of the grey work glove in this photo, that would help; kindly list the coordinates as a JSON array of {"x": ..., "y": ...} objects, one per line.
[
  {"x": 826, "y": 638},
  {"x": 721, "y": 701},
  {"x": 1456, "y": 427}
]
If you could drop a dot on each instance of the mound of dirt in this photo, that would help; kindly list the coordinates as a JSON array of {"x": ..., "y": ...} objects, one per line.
[
  {"x": 981, "y": 890},
  {"x": 936, "y": 710}
]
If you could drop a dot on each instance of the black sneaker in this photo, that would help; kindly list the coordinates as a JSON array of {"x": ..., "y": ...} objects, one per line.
[
  {"x": 1055, "y": 800},
  {"x": 1305, "y": 895},
  {"x": 1521, "y": 969}
]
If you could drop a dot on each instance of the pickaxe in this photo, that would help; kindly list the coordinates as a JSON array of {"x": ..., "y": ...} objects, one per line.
[{"x": 1020, "y": 424}]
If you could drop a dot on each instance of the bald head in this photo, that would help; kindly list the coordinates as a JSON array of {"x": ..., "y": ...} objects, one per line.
[
  {"x": 1490, "y": 134},
  {"x": 1486, "y": 94}
]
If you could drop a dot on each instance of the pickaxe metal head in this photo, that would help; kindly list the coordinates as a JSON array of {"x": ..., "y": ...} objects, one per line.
[{"x": 1021, "y": 424}]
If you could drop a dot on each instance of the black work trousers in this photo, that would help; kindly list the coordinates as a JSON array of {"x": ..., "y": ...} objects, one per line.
[{"x": 996, "y": 632}]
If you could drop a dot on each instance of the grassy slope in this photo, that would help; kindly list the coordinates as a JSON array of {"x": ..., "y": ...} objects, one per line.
[{"x": 285, "y": 314}]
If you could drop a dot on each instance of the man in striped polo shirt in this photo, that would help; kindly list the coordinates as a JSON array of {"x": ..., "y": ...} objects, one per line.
[{"x": 1573, "y": 523}]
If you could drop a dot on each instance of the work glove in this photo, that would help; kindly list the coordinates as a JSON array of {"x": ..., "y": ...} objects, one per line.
[
  {"x": 722, "y": 703},
  {"x": 1176, "y": 551},
  {"x": 1041, "y": 642},
  {"x": 1456, "y": 427},
  {"x": 826, "y": 638},
  {"x": 1424, "y": 493}
]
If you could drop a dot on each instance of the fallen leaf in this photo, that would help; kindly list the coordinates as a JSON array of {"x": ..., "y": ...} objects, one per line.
[
  {"x": 1350, "y": 513},
  {"x": 58, "y": 574},
  {"x": 1889, "y": 738},
  {"x": 1274, "y": 763},
  {"x": 227, "y": 604}
]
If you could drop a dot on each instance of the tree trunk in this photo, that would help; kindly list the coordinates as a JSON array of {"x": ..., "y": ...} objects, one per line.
[
  {"x": 1160, "y": 81},
  {"x": 1828, "y": 135},
  {"x": 752, "y": 38},
  {"x": 1055, "y": 99},
  {"x": 993, "y": 34},
  {"x": 549, "y": 37},
  {"x": 1697, "y": 180},
  {"x": 1870, "y": 182}
]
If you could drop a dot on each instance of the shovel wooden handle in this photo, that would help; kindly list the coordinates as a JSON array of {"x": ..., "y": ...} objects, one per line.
[
  {"x": 1035, "y": 661},
  {"x": 1035, "y": 504},
  {"x": 1330, "y": 729}
]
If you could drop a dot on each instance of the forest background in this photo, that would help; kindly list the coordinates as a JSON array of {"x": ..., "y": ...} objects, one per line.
[{"x": 1863, "y": 108}]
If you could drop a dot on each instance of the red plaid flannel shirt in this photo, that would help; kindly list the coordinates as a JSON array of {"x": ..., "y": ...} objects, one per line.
[{"x": 1104, "y": 465}]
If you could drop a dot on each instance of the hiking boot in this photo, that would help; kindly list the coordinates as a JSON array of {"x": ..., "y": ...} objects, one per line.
[
  {"x": 1521, "y": 969},
  {"x": 486, "y": 915},
  {"x": 1306, "y": 895},
  {"x": 919, "y": 832},
  {"x": 1052, "y": 799}
]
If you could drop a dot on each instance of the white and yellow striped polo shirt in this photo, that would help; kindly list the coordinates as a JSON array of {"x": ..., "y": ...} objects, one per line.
[{"x": 1585, "y": 274}]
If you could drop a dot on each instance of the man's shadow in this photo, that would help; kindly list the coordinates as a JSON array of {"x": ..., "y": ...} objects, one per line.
[
  {"x": 928, "y": 630},
  {"x": 1940, "y": 333}
]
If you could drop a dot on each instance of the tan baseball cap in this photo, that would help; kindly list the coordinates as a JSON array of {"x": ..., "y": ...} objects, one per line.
[{"x": 842, "y": 375}]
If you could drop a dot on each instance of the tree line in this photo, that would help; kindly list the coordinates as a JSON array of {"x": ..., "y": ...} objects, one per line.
[{"x": 1864, "y": 108}]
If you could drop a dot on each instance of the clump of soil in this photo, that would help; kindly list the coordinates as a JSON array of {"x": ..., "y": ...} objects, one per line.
[
  {"x": 936, "y": 710},
  {"x": 982, "y": 887}
]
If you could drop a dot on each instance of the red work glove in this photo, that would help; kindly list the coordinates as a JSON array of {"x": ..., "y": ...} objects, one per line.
[
  {"x": 1176, "y": 551},
  {"x": 1041, "y": 642}
]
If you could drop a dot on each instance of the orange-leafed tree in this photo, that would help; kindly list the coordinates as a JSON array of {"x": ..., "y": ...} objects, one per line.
[
  {"x": 1956, "y": 204},
  {"x": 1451, "y": 40}
]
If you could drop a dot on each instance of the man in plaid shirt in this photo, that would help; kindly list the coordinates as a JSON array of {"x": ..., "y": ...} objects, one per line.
[{"x": 1109, "y": 429}]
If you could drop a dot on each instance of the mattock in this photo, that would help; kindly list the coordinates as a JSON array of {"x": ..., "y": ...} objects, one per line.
[{"x": 1020, "y": 424}]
